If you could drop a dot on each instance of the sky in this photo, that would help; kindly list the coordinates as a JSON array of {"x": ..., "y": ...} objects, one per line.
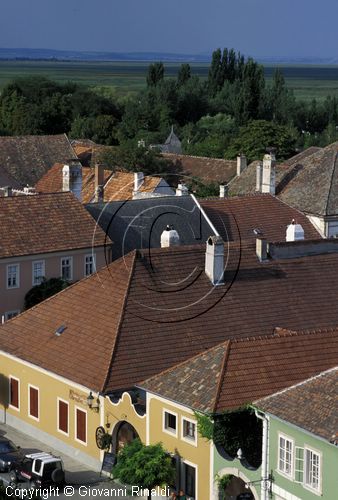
[{"x": 260, "y": 28}]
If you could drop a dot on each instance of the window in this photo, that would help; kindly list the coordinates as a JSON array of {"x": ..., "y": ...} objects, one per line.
[
  {"x": 170, "y": 422},
  {"x": 38, "y": 272},
  {"x": 285, "y": 455},
  {"x": 11, "y": 314},
  {"x": 189, "y": 480},
  {"x": 33, "y": 396},
  {"x": 81, "y": 425},
  {"x": 312, "y": 469},
  {"x": 13, "y": 276},
  {"x": 89, "y": 264},
  {"x": 14, "y": 393},
  {"x": 188, "y": 430},
  {"x": 67, "y": 268},
  {"x": 63, "y": 421}
]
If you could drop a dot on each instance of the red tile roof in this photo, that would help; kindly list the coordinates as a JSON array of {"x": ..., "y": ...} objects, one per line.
[
  {"x": 236, "y": 217},
  {"x": 237, "y": 372},
  {"x": 208, "y": 170},
  {"x": 311, "y": 405},
  {"x": 118, "y": 185},
  {"x": 46, "y": 223},
  {"x": 168, "y": 310}
]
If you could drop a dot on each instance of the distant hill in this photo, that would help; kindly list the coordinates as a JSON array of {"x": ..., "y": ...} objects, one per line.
[{"x": 73, "y": 55}]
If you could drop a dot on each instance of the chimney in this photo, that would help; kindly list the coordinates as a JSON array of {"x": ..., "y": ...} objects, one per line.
[
  {"x": 182, "y": 190},
  {"x": 169, "y": 237},
  {"x": 99, "y": 182},
  {"x": 214, "y": 260},
  {"x": 72, "y": 179},
  {"x": 259, "y": 171},
  {"x": 262, "y": 249},
  {"x": 222, "y": 191},
  {"x": 241, "y": 163},
  {"x": 268, "y": 174},
  {"x": 138, "y": 180},
  {"x": 7, "y": 191},
  {"x": 294, "y": 232},
  {"x": 99, "y": 190}
]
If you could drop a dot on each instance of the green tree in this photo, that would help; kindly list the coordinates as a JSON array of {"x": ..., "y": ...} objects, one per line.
[
  {"x": 257, "y": 135},
  {"x": 46, "y": 289},
  {"x": 184, "y": 74},
  {"x": 214, "y": 72},
  {"x": 155, "y": 74},
  {"x": 144, "y": 466}
]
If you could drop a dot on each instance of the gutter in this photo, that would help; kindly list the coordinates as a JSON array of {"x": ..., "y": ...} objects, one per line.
[{"x": 265, "y": 446}]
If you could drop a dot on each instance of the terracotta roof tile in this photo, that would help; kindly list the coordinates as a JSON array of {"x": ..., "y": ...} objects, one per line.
[
  {"x": 206, "y": 169},
  {"x": 171, "y": 312},
  {"x": 118, "y": 185},
  {"x": 236, "y": 217},
  {"x": 46, "y": 223},
  {"x": 27, "y": 158},
  {"x": 311, "y": 405}
]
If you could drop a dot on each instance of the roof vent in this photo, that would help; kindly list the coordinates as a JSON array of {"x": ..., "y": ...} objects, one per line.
[
  {"x": 169, "y": 237},
  {"x": 138, "y": 180},
  {"x": 59, "y": 331},
  {"x": 294, "y": 232}
]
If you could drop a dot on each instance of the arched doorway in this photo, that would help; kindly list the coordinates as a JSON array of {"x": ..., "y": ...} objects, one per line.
[
  {"x": 236, "y": 488},
  {"x": 123, "y": 434}
]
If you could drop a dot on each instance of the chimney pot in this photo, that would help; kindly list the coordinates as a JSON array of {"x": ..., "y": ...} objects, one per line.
[
  {"x": 214, "y": 260},
  {"x": 182, "y": 189}
]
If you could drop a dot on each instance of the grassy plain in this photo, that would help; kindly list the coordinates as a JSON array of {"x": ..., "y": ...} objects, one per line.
[{"x": 306, "y": 81}]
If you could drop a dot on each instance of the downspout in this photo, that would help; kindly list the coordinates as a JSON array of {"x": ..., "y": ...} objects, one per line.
[{"x": 265, "y": 474}]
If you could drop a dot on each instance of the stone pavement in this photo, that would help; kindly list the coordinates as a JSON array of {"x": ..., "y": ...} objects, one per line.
[{"x": 82, "y": 483}]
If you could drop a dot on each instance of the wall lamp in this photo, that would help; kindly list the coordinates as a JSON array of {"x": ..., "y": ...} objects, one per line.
[{"x": 92, "y": 403}]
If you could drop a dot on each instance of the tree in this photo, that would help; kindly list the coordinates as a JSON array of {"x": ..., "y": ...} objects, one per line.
[
  {"x": 254, "y": 138},
  {"x": 155, "y": 74},
  {"x": 46, "y": 289},
  {"x": 144, "y": 466},
  {"x": 184, "y": 74}
]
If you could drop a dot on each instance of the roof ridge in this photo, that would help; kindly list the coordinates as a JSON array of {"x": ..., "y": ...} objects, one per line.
[
  {"x": 200, "y": 157},
  {"x": 303, "y": 382},
  {"x": 222, "y": 374},
  {"x": 286, "y": 333},
  {"x": 118, "y": 329}
]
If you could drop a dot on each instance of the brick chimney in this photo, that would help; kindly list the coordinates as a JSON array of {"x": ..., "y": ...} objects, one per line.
[
  {"x": 214, "y": 260},
  {"x": 241, "y": 163},
  {"x": 169, "y": 237},
  {"x": 72, "y": 179}
]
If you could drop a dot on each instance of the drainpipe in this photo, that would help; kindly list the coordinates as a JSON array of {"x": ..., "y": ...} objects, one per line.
[{"x": 265, "y": 474}]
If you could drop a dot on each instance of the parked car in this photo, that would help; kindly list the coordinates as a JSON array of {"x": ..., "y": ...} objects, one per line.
[
  {"x": 9, "y": 453},
  {"x": 39, "y": 469}
]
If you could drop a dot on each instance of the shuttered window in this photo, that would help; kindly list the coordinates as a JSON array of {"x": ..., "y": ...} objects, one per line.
[
  {"x": 81, "y": 425},
  {"x": 14, "y": 393},
  {"x": 34, "y": 402},
  {"x": 63, "y": 416}
]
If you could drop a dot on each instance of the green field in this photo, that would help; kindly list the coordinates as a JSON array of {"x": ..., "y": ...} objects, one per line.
[{"x": 306, "y": 81}]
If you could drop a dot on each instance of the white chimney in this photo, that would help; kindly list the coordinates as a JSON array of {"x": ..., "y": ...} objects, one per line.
[
  {"x": 138, "y": 180},
  {"x": 259, "y": 171},
  {"x": 169, "y": 237},
  {"x": 294, "y": 232},
  {"x": 8, "y": 191},
  {"x": 268, "y": 174},
  {"x": 72, "y": 179},
  {"x": 261, "y": 249},
  {"x": 222, "y": 191},
  {"x": 241, "y": 163},
  {"x": 182, "y": 190},
  {"x": 214, "y": 260}
]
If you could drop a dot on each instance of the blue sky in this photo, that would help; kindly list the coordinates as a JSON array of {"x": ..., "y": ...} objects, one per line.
[{"x": 255, "y": 27}]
